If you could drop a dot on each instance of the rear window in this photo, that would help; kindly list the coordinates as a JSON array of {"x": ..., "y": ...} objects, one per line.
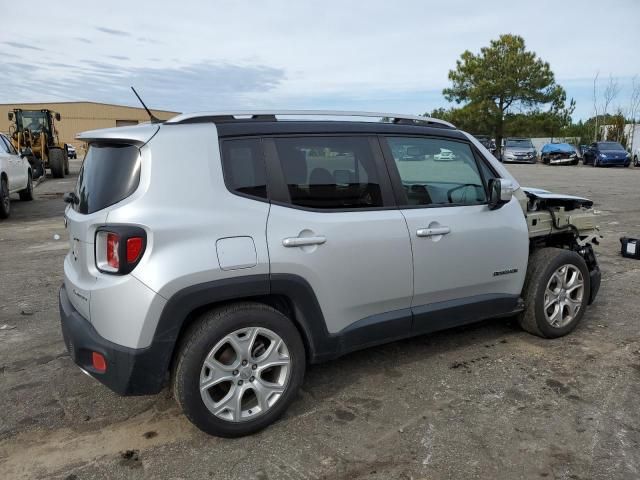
[{"x": 109, "y": 174}]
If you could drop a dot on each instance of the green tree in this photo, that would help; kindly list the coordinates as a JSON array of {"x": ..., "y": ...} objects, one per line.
[
  {"x": 615, "y": 129},
  {"x": 505, "y": 77}
]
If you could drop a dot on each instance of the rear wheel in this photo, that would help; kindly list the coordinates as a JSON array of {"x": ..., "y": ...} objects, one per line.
[
  {"x": 27, "y": 193},
  {"x": 5, "y": 202},
  {"x": 56, "y": 162},
  {"x": 556, "y": 292},
  {"x": 238, "y": 369}
]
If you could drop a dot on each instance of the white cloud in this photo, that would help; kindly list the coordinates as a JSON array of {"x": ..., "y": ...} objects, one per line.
[{"x": 369, "y": 54}]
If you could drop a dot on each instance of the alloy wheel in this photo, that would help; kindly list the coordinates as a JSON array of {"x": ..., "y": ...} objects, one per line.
[
  {"x": 563, "y": 296},
  {"x": 245, "y": 374}
]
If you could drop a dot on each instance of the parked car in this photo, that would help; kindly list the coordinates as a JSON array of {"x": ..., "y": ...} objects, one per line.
[
  {"x": 604, "y": 154},
  {"x": 487, "y": 142},
  {"x": 519, "y": 150},
  {"x": 15, "y": 176},
  {"x": 559, "y": 154},
  {"x": 71, "y": 151},
  {"x": 304, "y": 240},
  {"x": 444, "y": 155}
]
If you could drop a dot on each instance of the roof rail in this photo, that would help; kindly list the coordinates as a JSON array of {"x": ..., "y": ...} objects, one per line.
[{"x": 272, "y": 115}]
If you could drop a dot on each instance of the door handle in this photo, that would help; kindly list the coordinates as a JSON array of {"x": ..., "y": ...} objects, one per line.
[
  {"x": 432, "y": 232},
  {"x": 303, "y": 241}
]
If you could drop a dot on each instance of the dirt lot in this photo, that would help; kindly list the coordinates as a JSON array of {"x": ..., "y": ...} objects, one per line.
[{"x": 486, "y": 401}]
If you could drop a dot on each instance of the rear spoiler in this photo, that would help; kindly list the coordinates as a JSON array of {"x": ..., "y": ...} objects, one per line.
[{"x": 135, "y": 135}]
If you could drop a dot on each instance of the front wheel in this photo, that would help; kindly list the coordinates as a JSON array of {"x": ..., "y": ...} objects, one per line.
[
  {"x": 56, "y": 162},
  {"x": 556, "y": 292},
  {"x": 238, "y": 369}
]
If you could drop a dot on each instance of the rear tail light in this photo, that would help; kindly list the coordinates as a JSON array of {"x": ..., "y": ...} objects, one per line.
[
  {"x": 119, "y": 249},
  {"x": 99, "y": 362},
  {"x": 134, "y": 249},
  {"x": 113, "y": 245}
]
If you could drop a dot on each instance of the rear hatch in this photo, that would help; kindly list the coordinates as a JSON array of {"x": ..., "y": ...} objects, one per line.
[{"x": 110, "y": 173}]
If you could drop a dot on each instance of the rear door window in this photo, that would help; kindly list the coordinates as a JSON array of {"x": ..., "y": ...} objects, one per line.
[
  {"x": 110, "y": 173},
  {"x": 330, "y": 173}
]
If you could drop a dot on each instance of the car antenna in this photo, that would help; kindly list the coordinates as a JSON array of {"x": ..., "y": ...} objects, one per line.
[{"x": 153, "y": 118}]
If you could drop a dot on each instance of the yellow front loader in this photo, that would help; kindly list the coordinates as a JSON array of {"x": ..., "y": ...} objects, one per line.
[{"x": 34, "y": 136}]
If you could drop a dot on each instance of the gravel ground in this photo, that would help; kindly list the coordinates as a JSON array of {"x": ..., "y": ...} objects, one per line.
[{"x": 485, "y": 401}]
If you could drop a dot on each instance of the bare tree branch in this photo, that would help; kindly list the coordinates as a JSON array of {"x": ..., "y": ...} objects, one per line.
[{"x": 611, "y": 91}]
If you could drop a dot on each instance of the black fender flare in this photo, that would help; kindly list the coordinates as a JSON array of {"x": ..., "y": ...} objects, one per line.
[{"x": 307, "y": 314}]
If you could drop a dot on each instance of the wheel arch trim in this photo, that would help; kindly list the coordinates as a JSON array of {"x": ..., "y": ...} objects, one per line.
[{"x": 307, "y": 316}]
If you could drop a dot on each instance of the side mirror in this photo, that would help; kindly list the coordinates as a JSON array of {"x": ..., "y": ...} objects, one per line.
[
  {"x": 10, "y": 116},
  {"x": 500, "y": 192},
  {"x": 58, "y": 117}
]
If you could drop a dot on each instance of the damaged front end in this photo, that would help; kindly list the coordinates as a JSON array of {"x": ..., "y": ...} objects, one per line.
[{"x": 566, "y": 221}]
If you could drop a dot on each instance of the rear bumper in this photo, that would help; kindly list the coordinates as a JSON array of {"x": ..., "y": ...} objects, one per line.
[{"x": 129, "y": 371}]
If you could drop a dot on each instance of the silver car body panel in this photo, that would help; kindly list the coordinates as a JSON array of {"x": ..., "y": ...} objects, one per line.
[
  {"x": 462, "y": 263},
  {"x": 363, "y": 267},
  {"x": 182, "y": 231}
]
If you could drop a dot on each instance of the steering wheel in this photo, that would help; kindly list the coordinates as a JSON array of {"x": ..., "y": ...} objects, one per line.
[{"x": 464, "y": 185}]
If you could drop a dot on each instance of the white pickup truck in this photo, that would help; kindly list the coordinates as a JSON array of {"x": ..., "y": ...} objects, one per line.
[{"x": 15, "y": 176}]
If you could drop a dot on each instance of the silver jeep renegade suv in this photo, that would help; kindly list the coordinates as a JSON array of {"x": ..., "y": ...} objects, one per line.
[{"x": 224, "y": 252}]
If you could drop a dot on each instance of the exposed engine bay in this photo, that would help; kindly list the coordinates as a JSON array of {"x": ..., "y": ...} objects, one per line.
[{"x": 551, "y": 213}]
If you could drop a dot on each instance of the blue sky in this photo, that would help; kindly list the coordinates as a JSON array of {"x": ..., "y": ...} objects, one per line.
[{"x": 365, "y": 55}]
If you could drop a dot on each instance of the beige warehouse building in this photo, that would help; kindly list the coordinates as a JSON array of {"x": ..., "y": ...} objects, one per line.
[{"x": 80, "y": 116}]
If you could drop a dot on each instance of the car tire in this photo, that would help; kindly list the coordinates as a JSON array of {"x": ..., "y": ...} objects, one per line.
[
  {"x": 574, "y": 163},
  {"x": 56, "y": 162},
  {"x": 635, "y": 161},
  {"x": 66, "y": 165},
  {"x": 559, "y": 279},
  {"x": 26, "y": 195},
  {"x": 5, "y": 202},
  {"x": 199, "y": 361}
]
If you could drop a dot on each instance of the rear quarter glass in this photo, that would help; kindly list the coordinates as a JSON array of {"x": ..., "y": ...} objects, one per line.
[{"x": 110, "y": 173}]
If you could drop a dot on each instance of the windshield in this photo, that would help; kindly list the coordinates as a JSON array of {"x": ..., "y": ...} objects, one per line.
[
  {"x": 610, "y": 146},
  {"x": 559, "y": 147},
  {"x": 34, "y": 121},
  {"x": 519, "y": 143}
]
